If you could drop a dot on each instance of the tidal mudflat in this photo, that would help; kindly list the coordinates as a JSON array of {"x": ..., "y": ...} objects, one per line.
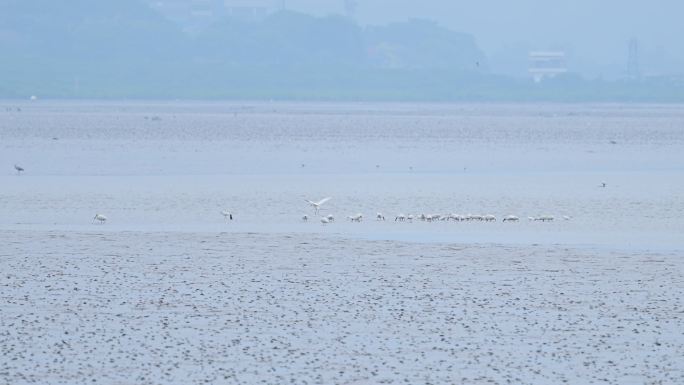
[
  {"x": 179, "y": 308},
  {"x": 167, "y": 291}
]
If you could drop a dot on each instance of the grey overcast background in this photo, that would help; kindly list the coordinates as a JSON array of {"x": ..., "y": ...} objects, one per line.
[{"x": 594, "y": 33}]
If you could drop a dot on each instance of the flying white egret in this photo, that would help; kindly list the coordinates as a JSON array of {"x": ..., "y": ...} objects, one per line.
[
  {"x": 227, "y": 215},
  {"x": 19, "y": 169},
  {"x": 101, "y": 218},
  {"x": 317, "y": 205}
]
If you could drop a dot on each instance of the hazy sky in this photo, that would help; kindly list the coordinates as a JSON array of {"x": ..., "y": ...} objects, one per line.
[{"x": 594, "y": 32}]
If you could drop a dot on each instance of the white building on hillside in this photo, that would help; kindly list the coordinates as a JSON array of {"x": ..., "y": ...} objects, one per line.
[
  {"x": 250, "y": 9},
  {"x": 192, "y": 15},
  {"x": 546, "y": 64}
]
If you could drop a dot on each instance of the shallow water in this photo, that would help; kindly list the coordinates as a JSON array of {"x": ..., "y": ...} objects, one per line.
[{"x": 174, "y": 166}]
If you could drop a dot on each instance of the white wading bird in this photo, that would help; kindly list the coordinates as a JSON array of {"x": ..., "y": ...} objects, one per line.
[
  {"x": 305, "y": 218},
  {"x": 544, "y": 218},
  {"x": 330, "y": 218},
  {"x": 325, "y": 221},
  {"x": 317, "y": 205},
  {"x": 459, "y": 218},
  {"x": 429, "y": 217},
  {"x": 19, "y": 169},
  {"x": 490, "y": 218},
  {"x": 227, "y": 215},
  {"x": 380, "y": 217},
  {"x": 100, "y": 218},
  {"x": 511, "y": 218},
  {"x": 400, "y": 218},
  {"x": 356, "y": 218}
]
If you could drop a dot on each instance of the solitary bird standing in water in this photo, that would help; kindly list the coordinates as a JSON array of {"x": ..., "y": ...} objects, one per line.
[
  {"x": 227, "y": 215},
  {"x": 19, "y": 169},
  {"x": 100, "y": 218}
]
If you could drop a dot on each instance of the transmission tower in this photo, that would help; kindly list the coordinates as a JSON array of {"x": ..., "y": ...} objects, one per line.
[
  {"x": 350, "y": 7},
  {"x": 633, "y": 70}
]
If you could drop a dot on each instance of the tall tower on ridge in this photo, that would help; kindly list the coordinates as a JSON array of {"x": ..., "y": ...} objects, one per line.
[
  {"x": 633, "y": 70},
  {"x": 350, "y": 8}
]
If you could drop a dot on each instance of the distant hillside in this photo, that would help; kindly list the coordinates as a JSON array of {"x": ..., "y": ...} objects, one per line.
[
  {"x": 421, "y": 44},
  {"x": 62, "y": 48},
  {"x": 81, "y": 48},
  {"x": 294, "y": 40},
  {"x": 285, "y": 40},
  {"x": 124, "y": 49}
]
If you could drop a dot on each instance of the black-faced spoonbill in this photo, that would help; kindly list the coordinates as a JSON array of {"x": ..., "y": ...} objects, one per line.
[
  {"x": 356, "y": 218},
  {"x": 100, "y": 218},
  {"x": 511, "y": 218},
  {"x": 457, "y": 217}
]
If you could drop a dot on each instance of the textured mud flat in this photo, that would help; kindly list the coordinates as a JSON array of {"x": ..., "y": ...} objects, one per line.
[{"x": 187, "y": 308}]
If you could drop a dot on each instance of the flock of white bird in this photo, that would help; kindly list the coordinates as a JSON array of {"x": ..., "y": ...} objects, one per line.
[
  {"x": 316, "y": 205},
  {"x": 426, "y": 217},
  {"x": 327, "y": 219}
]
